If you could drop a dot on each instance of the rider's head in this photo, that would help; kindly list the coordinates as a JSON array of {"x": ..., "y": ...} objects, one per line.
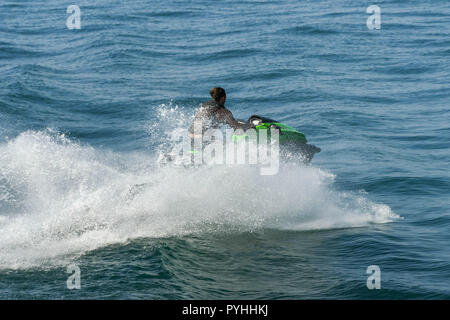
[{"x": 218, "y": 94}]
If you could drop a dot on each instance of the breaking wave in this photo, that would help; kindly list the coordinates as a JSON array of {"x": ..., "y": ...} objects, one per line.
[{"x": 60, "y": 198}]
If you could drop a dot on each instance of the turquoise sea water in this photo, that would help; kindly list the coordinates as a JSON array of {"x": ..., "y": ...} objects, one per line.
[{"x": 84, "y": 113}]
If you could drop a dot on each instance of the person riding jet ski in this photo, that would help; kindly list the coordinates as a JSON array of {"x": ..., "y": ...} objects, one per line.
[{"x": 213, "y": 114}]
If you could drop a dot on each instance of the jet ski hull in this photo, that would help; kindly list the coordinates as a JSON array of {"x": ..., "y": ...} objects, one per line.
[{"x": 293, "y": 143}]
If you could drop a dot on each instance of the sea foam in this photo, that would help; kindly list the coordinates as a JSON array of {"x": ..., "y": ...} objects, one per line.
[{"x": 60, "y": 199}]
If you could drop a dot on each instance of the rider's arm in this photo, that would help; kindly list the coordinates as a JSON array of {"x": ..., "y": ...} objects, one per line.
[{"x": 229, "y": 119}]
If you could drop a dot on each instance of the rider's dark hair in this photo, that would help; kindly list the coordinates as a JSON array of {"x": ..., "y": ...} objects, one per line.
[{"x": 217, "y": 93}]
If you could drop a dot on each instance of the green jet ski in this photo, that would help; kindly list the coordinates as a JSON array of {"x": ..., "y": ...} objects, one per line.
[{"x": 293, "y": 143}]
